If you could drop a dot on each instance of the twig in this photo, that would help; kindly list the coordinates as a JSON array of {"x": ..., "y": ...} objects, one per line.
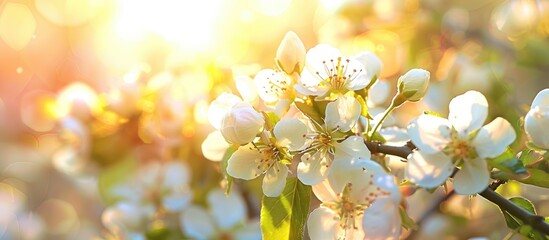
[{"x": 537, "y": 222}]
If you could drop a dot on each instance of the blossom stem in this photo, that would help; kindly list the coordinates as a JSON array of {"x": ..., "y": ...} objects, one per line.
[
  {"x": 537, "y": 222},
  {"x": 385, "y": 114}
]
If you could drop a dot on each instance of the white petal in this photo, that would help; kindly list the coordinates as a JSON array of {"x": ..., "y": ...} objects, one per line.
[
  {"x": 311, "y": 90},
  {"x": 535, "y": 126},
  {"x": 228, "y": 211},
  {"x": 247, "y": 88},
  {"x": 323, "y": 223},
  {"x": 243, "y": 163},
  {"x": 357, "y": 77},
  {"x": 290, "y": 132},
  {"x": 354, "y": 146},
  {"x": 429, "y": 133},
  {"x": 394, "y": 136},
  {"x": 270, "y": 85},
  {"x": 197, "y": 223},
  {"x": 214, "y": 146},
  {"x": 220, "y": 106},
  {"x": 541, "y": 99},
  {"x": 342, "y": 113},
  {"x": 468, "y": 112},
  {"x": 494, "y": 138},
  {"x": 324, "y": 191},
  {"x": 319, "y": 56},
  {"x": 382, "y": 220},
  {"x": 275, "y": 180},
  {"x": 252, "y": 231},
  {"x": 176, "y": 175},
  {"x": 177, "y": 201},
  {"x": 312, "y": 169},
  {"x": 371, "y": 62},
  {"x": 473, "y": 177},
  {"x": 428, "y": 170},
  {"x": 379, "y": 92}
]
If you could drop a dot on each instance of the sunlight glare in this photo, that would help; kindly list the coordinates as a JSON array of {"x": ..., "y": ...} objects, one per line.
[{"x": 187, "y": 24}]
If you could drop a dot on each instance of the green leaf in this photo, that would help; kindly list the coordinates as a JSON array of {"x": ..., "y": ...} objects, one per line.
[
  {"x": 114, "y": 175},
  {"x": 517, "y": 224},
  {"x": 270, "y": 120},
  {"x": 224, "y": 163},
  {"x": 507, "y": 162},
  {"x": 313, "y": 109},
  {"x": 433, "y": 113},
  {"x": 284, "y": 217},
  {"x": 407, "y": 222},
  {"x": 537, "y": 177},
  {"x": 530, "y": 157}
]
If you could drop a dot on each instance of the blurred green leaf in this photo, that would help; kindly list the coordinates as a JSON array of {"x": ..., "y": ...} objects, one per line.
[
  {"x": 507, "y": 162},
  {"x": 529, "y": 157},
  {"x": 113, "y": 176},
  {"x": 537, "y": 177},
  {"x": 284, "y": 217},
  {"x": 270, "y": 120},
  {"x": 517, "y": 224},
  {"x": 407, "y": 222},
  {"x": 224, "y": 163}
]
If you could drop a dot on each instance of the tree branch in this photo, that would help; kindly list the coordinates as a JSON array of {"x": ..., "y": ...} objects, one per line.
[{"x": 537, "y": 222}]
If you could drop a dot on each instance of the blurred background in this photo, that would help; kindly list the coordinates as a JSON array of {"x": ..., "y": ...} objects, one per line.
[{"x": 94, "y": 91}]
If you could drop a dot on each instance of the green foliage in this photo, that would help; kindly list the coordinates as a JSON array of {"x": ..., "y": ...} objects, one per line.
[
  {"x": 113, "y": 176},
  {"x": 517, "y": 224},
  {"x": 284, "y": 217},
  {"x": 224, "y": 163},
  {"x": 270, "y": 120},
  {"x": 407, "y": 222},
  {"x": 315, "y": 110},
  {"x": 508, "y": 163}
]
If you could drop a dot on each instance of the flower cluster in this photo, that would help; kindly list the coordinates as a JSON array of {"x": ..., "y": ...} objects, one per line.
[{"x": 315, "y": 123}]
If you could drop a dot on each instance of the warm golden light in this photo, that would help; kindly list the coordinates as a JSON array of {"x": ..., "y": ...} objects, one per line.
[
  {"x": 17, "y": 25},
  {"x": 187, "y": 24}
]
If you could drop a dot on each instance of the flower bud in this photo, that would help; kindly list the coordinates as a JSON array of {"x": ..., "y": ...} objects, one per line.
[
  {"x": 290, "y": 56},
  {"x": 537, "y": 120},
  {"x": 241, "y": 124},
  {"x": 414, "y": 84}
]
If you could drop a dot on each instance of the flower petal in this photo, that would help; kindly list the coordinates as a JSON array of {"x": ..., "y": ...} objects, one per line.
[
  {"x": 311, "y": 84},
  {"x": 243, "y": 163},
  {"x": 228, "y": 211},
  {"x": 473, "y": 177},
  {"x": 275, "y": 180},
  {"x": 214, "y": 146},
  {"x": 197, "y": 223},
  {"x": 177, "y": 201},
  {"x": 382, "y": 211},
  {"x": 343, "y": 113},
  {"x": 251, "y": 231},
  {"x": 220, "y": 106},
  {"x": 354, "y": 146},
  {"x": 357, "y": 77},
  {"x": 176, "y": 175},
  {"x": 428, "y": 170},
  {"x": 494, "y": 138},
  {"x": 323, "y": 223},
  {"x": 319, "y": 56},
  {"x": 541, "y": 99},
  {"x": 290, "y": 132},
  {"x": 382, "y": 89},
  {"x": 468, "y": 112},
  {"x": 247, "y": 88},
  {"x": 313, "y": 168},
  {"x": 270, "y": 85},
  {"x": 324, "y": 191},
  {"x": 429, "y": 133}
]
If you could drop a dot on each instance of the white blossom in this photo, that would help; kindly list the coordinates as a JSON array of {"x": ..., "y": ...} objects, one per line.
[
  {"x": 536, "y": 123},
  {"x": 459, "y": 141}
]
